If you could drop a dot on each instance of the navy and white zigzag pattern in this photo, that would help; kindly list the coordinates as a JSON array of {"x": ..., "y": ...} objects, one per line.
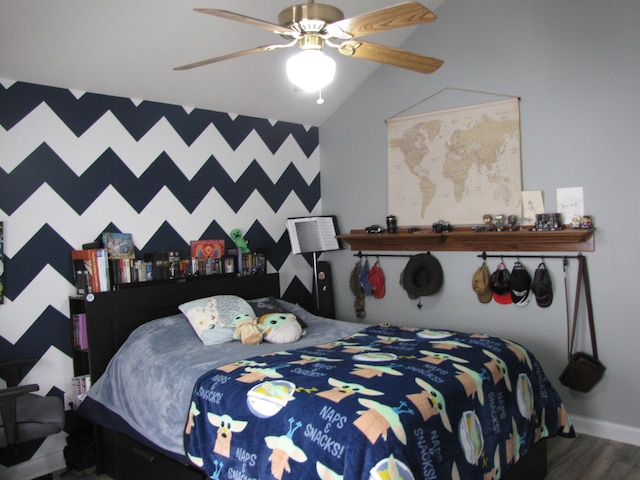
[{"x": 74, "y": 164}]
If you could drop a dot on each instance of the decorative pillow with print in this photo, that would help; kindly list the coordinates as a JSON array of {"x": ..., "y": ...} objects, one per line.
[{"x": 212, "y": 318}]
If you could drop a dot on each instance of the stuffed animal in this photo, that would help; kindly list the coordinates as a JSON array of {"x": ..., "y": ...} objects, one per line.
[
  {"x": 280, "y": 327},
  {"x": 238, "y": 239},
  {"x": 247, "y": 330}
]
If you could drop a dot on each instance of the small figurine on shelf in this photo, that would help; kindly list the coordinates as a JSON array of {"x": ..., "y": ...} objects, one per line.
[
  {"x": 242, "y": 247},
  {"x": 487, "y": 224},
  {"x": 238, "y": 239},
  {"x": 576, "y": 221},
  {"x": 587, "y": 222}
]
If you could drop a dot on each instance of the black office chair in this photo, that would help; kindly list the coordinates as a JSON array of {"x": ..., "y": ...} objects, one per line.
[{"x": 25, "y": 416}]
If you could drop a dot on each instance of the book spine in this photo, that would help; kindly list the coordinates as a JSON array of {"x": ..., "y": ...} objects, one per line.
[
  {"x": 83, "y": 343},
  {"x": 80, "y": 277},
  {"x": 80, "y": 385},
  {"x": 95, "y": 273},
  {"x": 76, "y": 330},
  {"x": 103, "y": 269}
]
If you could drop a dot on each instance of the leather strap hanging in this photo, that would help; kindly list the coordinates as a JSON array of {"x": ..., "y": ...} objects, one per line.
[
  {"x": 584, "y": 371},
  {"x": 583, "y": 279},
  {"x": 565, "y": 263}
]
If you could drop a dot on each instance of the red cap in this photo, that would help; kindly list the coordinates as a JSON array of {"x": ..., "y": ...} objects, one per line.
[{"x": 376, "y": 280}]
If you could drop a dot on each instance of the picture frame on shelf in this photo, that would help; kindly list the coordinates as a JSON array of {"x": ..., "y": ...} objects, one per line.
[{"x": 118, "y": 245}]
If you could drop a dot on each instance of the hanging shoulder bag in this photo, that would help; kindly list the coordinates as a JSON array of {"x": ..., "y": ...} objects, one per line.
[{"x": 584, "y": 370}]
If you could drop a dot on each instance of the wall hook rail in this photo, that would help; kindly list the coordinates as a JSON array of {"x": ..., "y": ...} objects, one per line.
[
  {"x": 398, "y": 255},
  {"x": 501, "y": 256}
]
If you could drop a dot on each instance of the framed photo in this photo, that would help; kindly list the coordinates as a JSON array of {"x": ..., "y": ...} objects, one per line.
[
  {"x": 118, "y": 245},
  {"x": 532, "y": 205},
  {"x": 207, "y": 248}
]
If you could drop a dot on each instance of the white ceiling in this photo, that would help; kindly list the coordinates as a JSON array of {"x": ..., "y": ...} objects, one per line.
[{"x": 129, "y": 48}]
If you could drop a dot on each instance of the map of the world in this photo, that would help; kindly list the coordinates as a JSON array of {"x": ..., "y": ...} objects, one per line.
[{"x": 455, "y": 165}]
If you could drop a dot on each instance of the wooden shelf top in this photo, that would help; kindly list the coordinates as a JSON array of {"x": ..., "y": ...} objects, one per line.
[{"x": 465, "y": 239}]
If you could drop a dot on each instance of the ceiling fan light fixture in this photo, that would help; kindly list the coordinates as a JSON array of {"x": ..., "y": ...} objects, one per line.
[{"x": 311, "y": 70}]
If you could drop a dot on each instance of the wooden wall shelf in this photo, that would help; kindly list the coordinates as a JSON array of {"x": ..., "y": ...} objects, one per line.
[{"x": 464, "y": 239}]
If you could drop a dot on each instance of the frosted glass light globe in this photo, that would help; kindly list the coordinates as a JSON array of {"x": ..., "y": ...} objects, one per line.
[{"x": 311, "y": 70}]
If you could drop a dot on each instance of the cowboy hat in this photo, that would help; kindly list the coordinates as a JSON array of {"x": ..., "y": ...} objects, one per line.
[{"x": 422, "y": 276}]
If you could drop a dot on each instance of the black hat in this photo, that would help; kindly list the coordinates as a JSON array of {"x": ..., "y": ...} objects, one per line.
[
  {"x": 499, "y": 282},
  {"x": 520, "y": 284},
  {"x": 541, "y": 286},
  {"x": 422, "y": 276}
]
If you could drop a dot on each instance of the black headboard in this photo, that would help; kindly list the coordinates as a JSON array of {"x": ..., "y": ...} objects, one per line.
[{"x": 112, "y": 316}]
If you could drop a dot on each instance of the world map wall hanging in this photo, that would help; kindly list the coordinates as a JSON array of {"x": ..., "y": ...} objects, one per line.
[{"x": 457, "y": 164}]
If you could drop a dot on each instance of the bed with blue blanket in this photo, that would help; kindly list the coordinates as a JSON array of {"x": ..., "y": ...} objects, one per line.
[{"x": 345, "y": 401}]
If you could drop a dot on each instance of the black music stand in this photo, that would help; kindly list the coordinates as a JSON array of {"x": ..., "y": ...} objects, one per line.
[{"x": 314, "y": 235}]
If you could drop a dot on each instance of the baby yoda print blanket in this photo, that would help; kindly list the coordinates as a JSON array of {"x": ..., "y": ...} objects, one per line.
[{"x": 386, "y": 402}]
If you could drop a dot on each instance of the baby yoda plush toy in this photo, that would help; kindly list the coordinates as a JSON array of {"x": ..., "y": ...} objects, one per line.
[
  {"x": 246, "y": 330},
  {"x": 280, "y": 327},
  {"x": 238, "y": 239}
]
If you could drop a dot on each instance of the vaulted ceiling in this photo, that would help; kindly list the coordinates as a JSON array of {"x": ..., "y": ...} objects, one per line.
[{"x": 129, "y": 49}]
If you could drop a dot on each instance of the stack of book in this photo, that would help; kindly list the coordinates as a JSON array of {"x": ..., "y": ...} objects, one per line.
[
  {"x": 80, "y": 385},
  {"x": 101, "y": 269},
  {"x": 206, "y": 256},
  {"x": 80, "y": 331},
  {"x": 91, "y": 270}
]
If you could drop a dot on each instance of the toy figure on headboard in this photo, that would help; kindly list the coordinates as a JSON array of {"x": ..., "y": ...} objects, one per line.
[{"x": 239, "y": 240}]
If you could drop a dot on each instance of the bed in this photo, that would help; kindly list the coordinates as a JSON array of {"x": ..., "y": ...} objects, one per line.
[{"x": 346, "y": 400}]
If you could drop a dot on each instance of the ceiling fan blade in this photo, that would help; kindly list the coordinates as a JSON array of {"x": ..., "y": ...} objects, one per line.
[
  {"x": 272, "y": 27},
  {"x": 390, "y": 56},
  {"x": 264, "y": 48},
  {"x": 404, "y": 14}
]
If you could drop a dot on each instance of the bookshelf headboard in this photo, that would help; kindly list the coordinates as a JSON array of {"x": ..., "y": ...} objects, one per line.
[{"x": 113, "y": 315}]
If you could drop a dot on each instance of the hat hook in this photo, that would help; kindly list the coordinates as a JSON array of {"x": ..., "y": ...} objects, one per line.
[{"x": 419, "y": 303}]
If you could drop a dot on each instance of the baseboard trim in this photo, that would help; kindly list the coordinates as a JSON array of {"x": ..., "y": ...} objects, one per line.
[{"x": 608, "y": 430}]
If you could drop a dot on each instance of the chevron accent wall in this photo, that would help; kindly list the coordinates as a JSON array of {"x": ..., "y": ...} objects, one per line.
[{"x": 75, "y": 164}]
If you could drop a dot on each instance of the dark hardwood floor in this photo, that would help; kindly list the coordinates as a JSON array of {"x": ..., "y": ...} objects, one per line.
[
  {"x": 580, "y": 458},
  {"x": 592, "y": 458}
]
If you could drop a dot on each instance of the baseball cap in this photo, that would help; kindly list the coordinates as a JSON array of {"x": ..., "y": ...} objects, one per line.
[
  {"x": 364, "y": 278},
  {"x": 541, "y": 286},
  {"x": 500, "y": 284},
  {"x": 376, "y": 280},
  {"x": 520, "y": 284},
  {"x": 480, "y": 283}
]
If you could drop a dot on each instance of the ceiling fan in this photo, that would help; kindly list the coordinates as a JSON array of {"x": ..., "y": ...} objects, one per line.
[{"x": 311, "y": 26}]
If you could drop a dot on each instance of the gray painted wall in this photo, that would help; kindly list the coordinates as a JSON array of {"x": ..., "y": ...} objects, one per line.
[{"x": 576, "y": 67}]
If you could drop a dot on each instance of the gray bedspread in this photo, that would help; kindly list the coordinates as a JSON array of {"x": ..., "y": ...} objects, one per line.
[{"x": 149, "y": 382}]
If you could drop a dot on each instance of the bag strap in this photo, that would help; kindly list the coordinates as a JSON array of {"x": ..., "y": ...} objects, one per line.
[
  {"x": 566, "y": 298},
  {"x": 583, "y": 278}
]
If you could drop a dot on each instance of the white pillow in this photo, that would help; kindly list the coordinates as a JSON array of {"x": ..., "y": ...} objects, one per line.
[{"x": 212, "y": 317}]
